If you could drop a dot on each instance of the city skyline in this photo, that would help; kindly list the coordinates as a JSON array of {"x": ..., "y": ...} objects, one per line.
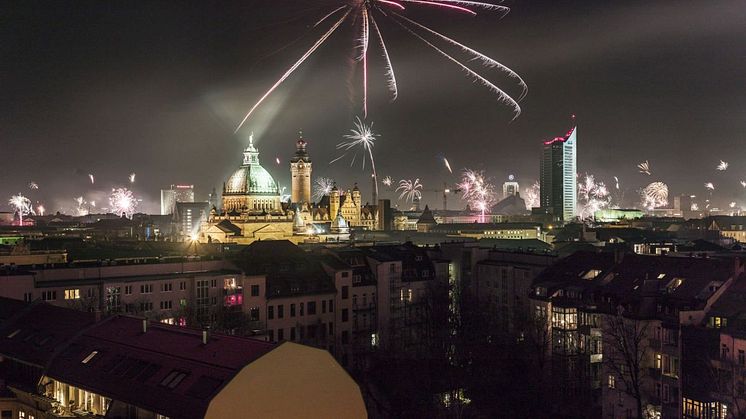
[{"x": 169, "y": 117}]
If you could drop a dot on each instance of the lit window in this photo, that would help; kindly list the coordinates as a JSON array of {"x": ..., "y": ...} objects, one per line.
[
  {"x": 612, "y": 381},
  {"x": 72, "y": 294},
  {"x": 89, "y": 357}
]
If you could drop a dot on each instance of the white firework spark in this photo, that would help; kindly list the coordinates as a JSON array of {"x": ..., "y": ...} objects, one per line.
[
  {"x": 132, "y": 177},
  {"x": 40, "y": 209},
  {"x": 477, "y": 191},
  {"x": 592, "y": 196},
  {"x": 361, "y": 136},
  {"x": 410, "y": 190},
  {"x": 22, "y": 206},
  {"x": 82, "y": 206},
  {"x": 743, "y": 183},
  {"x": 362, "y": 14},
  {"x": 448, "y": 165},
  {"x": 710, "y": 186},
  {"x": 33, "y": 185},
  {"x": 284, "y": 197},
  {"x": 732, "y": 205},
  {"x": 694, "y": 206},
  {"x": 532, "y": 196},
  {"x": 387, "y": 181},
  {"x": 655, "y": 195},
  {"x": 122, "y": 202},
  {"x": 92, "y": 179},
  {"x": 722, "y": 166},
  {"x": 323, "y": 186},
  {"x": 644, "y": 167}
]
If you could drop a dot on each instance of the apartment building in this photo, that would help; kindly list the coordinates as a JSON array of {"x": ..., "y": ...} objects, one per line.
[{"x": 57, "y": 362}]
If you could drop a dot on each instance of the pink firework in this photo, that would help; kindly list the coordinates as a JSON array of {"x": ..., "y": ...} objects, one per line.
[
  {"x": 479, "y": 193},
  {"x": 362, "y": 15}
]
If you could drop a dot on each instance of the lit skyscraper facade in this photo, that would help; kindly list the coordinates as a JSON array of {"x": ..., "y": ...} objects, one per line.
[
  {"x": 558, "y": 176},
  {"x": 177, "y": 193}
]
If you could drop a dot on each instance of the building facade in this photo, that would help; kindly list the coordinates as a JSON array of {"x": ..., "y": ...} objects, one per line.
[
  {"x": 558, "y": 193},
  {"x": 177, "y": 193},
  {"x": 300, "y": 172}
]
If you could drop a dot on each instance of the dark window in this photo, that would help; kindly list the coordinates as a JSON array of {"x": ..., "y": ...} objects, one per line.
[
  {"x": 331, "y": 328},
  {"x": 331, "y": 306},
  {"x": 280, "y": 311},
  {"x": 311, "y": 308},
  {"x": 345, "y": 274},
  {"x": 292, "y": 310},
  {"x": 323, "y": 306},
  {"x": 345, "y": 315},
  {"x": 270, "y": 313},
  {"x": 7, "y": 414},
  {"x": 345, "y": 337},
  {"x": 271, "y": 334},
  {"x": 301, "y": 309},
  {"x": 254, "y": 314},
  {"x": 292, "y": 333},
  {"x": 255, "y": 290},
  {"x": 173, "y": 379},
  {"x": 345, "y": 292},
  {"x": 280, "y": 334}
]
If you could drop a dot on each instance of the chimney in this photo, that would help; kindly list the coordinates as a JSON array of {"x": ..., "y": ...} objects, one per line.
[
  {"x": 144, "y": 325},
  {"x": 205, "y": 335}
]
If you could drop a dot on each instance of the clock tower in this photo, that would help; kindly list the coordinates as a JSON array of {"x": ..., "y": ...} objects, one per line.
[{"x": 300, "y": 170}]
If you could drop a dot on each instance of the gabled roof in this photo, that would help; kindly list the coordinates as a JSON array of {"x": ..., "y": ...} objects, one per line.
[{"x": 167, "y": 369}]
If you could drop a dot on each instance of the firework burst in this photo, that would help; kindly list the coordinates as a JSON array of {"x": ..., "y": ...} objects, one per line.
[
  {"x": 122, "y": 202},
  {"x": 477, "y": 191},
  {"x": 387, "y": 181},
  {"x": 22, "y": 206},
  {"x": 411, "y": 190},
  {"x": 710, "y": 186},
  {"x": 33, "y": 185},
  {"x": 644, "y": 167},
  {"x": 132, "y": 177},
  {"x": 532, "y": 196},
  {"x": 323, "y": 186},
  {"x": 592, "y": 196},
  {"x": 722, "y": 166},
  {"x": 655, "y": 195},
  {"x": 362, "y": 15},
  {"x": 361, "y": 136}
]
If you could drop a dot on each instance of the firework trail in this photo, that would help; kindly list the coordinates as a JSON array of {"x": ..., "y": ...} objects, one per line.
[
  {"x": 277, "y": 160},
  {"x": 284, "y": 197},
  {"x": 361, "y": 136},
  {"x": 477, "y": 191},
  {"x": 321, "y": 187},
  {"x": 82, "y": 206},
  {"x": 448, "y": 165},
  {"x": 722, "y": 166},
  {"x": 710, "y": 186},
  {"x": 362, "y": 15},
  {"x": 743, "y": 183},
  {"x": 644, "y": 167},
  {"x": 387, "y": 181},
  {"x": 93, "y": 180},
  {"x": 410, "y": 190},
  {"x": 22, "y": 206},
  {"x": 40, "y": 209},
  {"x": 132, "y": 177},
  {"x": 592, "y": 196},
  {"x": 532, "y": 196},
  {"x": 33, "y": 185},
  {"x": 655, "y": 195},
  {"x": 122, "y": 202}
]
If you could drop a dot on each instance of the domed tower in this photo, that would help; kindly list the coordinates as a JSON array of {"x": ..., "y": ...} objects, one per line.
[
  {"x": 333, "y": 202},
  {"x": 251, "y": 188},
  {"x": 300, "y": 170},
  {"x": 356, "y": 198}
]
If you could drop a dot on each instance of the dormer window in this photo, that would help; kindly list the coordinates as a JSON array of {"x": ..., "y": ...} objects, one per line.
[{"x": 675, "y": 283}]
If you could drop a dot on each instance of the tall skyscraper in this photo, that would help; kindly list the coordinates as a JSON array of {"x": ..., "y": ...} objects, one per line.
[
  {"x": 177, "y": 193},
  {"x": 559, "y": 166},
  {"x": 300, "y": 170}
]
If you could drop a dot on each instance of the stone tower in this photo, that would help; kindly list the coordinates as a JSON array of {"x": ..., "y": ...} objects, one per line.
[
  {"x": 333, "y": 202},
  {"x": 300, "y": 170},
  {"x": 356, "y": 198}
]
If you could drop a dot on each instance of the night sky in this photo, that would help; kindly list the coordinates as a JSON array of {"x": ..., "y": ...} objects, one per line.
[{"x": 157, "y": 87}]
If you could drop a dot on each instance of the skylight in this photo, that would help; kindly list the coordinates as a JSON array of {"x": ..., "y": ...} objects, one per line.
[{"x": 14, "y": 333}]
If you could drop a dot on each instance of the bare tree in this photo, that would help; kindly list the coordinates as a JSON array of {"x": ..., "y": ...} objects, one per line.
[{"x": 627, "y": 354}]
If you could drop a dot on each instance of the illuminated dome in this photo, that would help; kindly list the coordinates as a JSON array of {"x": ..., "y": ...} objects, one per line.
[{"x": 251, "y": 178}]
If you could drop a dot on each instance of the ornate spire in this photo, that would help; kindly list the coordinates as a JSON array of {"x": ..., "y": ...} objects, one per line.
[{"x": 251, "y": 154}]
